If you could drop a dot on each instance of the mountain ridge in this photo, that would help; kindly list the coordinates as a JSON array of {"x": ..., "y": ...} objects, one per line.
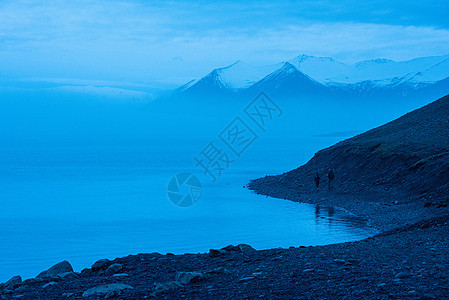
[{"x": 375, "y": 77}]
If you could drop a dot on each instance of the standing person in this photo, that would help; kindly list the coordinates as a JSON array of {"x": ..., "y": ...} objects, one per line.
[
  {"x": 331, "y": 177},
  {"x": 317, "y": 180}
]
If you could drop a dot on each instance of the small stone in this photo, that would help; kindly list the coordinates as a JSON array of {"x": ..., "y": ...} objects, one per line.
[
  {"x": 113, "y": 269},
  {"x": 401, "y": 275},
  {"x": 68, "y": 295},
  {"x": 188, "y": 277},
  {"x": 56, "y": 270},
  {"x": 247, "y": 278},
  {"x": 338, "y": 261},
  {"x": 308, "y": 270},
  {"x": 120, "y": 275},
  {"x": 49, "y": 284}
]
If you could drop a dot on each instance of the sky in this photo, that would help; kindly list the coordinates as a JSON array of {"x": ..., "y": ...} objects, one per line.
[{"x": 167, "y": 43}]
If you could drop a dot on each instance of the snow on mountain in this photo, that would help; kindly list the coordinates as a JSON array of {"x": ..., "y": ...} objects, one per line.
[
  {"x": 288, "y": 80},
  {"x": 241, "y": 75},
  {"x": 433, "y": 74},
  {"x": 237, "y": 76},
  {"x": 368, "y": 74},
  {"x": 322, "y": 69},
  {"x": 380, "y": 71}
]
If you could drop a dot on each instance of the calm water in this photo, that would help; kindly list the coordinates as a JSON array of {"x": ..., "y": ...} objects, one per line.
[{"x": 87, "y": 200}]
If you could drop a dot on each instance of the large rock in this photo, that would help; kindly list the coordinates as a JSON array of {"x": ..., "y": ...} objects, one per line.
[
  {"x": 13, "y": 283},
  {"x": 217, "y": 253},
  {"x": 188, "y": 277},
  {"x": 107, "y": 289},
  {"x": 239, "y": 248},
  {"x": 102, "y": 264},
  {"x": 113, "y": 269},
  {"x": 56, "y": 270}
]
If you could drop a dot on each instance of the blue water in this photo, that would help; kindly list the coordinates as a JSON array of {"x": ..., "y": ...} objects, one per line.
[{"x": 89, "y": 199}]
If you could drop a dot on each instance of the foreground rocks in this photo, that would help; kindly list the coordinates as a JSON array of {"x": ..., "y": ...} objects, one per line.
[{"x": 410, "y": 263}]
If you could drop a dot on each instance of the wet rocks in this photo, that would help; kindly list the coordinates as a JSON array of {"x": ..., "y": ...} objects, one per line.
[{"x": 58, "y": 269}]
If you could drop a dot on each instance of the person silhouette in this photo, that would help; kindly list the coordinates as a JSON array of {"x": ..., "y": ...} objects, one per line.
[
  {"x": 331, "y": 177},
  {"x": 317, "y": 180}
]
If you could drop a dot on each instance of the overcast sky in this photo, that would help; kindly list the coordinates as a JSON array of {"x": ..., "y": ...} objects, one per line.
[{"x": 172, "y": 42}]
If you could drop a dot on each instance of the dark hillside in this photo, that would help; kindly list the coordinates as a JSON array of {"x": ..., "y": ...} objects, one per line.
[{"x": 409, "y": 154}]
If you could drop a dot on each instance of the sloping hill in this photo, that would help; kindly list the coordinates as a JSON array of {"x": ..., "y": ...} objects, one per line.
[{"x": 409, "y": 154}]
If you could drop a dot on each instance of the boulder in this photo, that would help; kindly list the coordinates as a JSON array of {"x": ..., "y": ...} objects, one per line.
[
  {"x": 217, "y": 253},
  {"x": 239, "y": 248},
  {"x": 68, "y": 275},
  {"x": 101, "y": 264},
  {"x": 31, "y": 281},
  {"x": 188, "y": 277},
  {"x": 13, "y": 283},
  {"x": 56, "y": 270},
  {"x": 107, "y": 289},
  {"x": 113, "y": 269}
]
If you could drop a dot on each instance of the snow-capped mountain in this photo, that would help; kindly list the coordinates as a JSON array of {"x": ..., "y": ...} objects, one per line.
[
  {"x": 288, "y": 80},
  {"x": 232, "y": 78},
  {"x": 314, "y": 74}
]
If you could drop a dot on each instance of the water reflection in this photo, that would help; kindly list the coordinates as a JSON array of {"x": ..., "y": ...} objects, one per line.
[{"x": 329, "y": 214}]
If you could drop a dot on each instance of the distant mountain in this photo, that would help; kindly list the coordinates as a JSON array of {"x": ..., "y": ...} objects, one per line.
[
  {"x": 288, "y": 80},
  {"x": 326, "y": 76},
  {"x": 228, "y": 80}
]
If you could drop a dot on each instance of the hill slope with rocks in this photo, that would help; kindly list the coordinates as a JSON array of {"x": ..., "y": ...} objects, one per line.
[{"x": 409, "y": 155}]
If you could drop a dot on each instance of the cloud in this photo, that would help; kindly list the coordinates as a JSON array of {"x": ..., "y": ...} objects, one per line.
[{"x": 174, "y": 41}]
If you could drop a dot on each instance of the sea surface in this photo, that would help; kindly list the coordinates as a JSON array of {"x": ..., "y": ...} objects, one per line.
[{"x": 83, "y": 200}]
